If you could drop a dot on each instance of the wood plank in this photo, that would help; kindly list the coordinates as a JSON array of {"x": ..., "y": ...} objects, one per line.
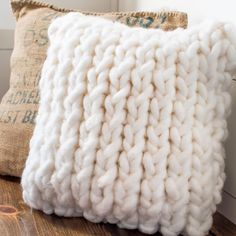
[
  {"x": 222, "y": 226},
  {"x": 19, "y": 220}
]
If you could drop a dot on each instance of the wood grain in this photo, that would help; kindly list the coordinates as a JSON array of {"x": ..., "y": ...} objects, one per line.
[{"x": 16, "y": 219}]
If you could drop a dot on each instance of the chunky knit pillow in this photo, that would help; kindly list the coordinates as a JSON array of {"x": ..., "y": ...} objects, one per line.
[{"x": 131, "y": 124}]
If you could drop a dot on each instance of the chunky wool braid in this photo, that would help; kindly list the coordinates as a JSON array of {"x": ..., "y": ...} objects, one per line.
[
  {"x": 97, "y": 90},
  {"x": 178, "y": 162},
  {"x": 200, "y": 216},
  {"x": 42, "y": 177},
  {"x": 131, "y": 124},
  {"x": 106, "y": 170},
  {"x": 66, "y": 145},
  {"x": 91, "y": 124},
  {"x": 134, "y": 134},
  {"x": 157, "y": 147}
]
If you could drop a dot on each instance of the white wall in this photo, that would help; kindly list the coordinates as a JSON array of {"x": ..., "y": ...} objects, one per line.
[
  {"x": 6, "y": 18},
  {"x": 199, "y": 10},
  {"x": 85, "y": 5},
  {"x": 6, "y": 44}
]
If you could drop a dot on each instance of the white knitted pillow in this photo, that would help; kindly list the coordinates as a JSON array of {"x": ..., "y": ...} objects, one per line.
[{"x": 131, "y": 124}]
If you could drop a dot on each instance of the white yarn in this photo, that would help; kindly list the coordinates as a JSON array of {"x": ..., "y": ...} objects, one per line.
[{"x": 131, "y": 124}]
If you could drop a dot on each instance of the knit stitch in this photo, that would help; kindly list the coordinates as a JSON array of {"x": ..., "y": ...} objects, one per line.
[{"x": 131, "y": 124}]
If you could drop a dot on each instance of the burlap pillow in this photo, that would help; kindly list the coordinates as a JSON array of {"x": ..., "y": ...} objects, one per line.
[{"x": 19, "y": 106}]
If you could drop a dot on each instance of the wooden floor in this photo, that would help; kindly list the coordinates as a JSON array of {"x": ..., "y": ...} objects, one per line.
[{"x": 16, "y": 219}]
